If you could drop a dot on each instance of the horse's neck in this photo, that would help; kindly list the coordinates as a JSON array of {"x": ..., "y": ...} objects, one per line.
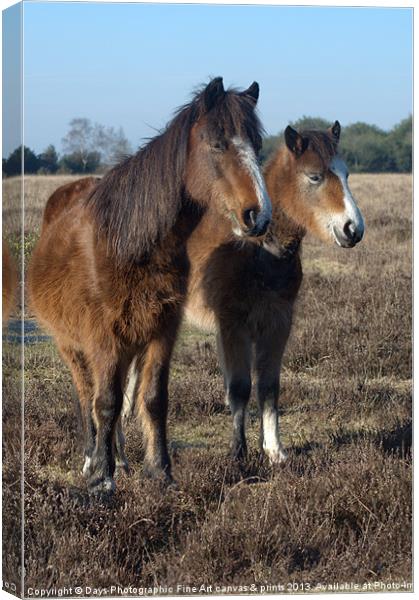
[{"x": 280, "y": 186}]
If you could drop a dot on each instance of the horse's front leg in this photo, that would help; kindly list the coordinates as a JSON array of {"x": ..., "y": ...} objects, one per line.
[
  {"x": 269, "y": 349},
  {"x": 235, "y": 352}
]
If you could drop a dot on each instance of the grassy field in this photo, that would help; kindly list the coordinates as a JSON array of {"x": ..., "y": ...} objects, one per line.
[{"x": 339, "y": 511}]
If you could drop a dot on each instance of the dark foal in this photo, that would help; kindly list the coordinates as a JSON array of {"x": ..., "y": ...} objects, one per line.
[{"x": 247, "y": 294}]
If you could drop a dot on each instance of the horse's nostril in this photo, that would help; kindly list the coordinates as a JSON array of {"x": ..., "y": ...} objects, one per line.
[
  {"x": 249, "y": 217},
  {"x": 349, "y": 230}
]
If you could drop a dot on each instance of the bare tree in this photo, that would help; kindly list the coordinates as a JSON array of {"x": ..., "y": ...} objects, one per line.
[
  {"x": 79, "y": 140},
  {"x": 85, "y": 139},
  {"x": 111, "y": 143}
]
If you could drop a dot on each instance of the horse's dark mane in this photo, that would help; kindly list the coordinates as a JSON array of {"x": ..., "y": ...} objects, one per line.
[
  {"x": 137, "y": 202},
  {"x": 322, "y": 142}
]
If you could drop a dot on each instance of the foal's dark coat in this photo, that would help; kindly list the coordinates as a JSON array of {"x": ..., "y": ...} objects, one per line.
[{"x": 246, "y": 291}]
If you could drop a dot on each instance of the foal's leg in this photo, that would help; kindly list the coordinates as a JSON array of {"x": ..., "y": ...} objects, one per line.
[
  {"x": 153, "y": 405},
  {"x": 82, "y": 377},
  {"x": 268, "y": 356},
  {"x": 236, "y": 348}
]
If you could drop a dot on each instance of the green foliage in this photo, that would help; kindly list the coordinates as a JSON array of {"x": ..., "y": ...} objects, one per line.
[
  {"x": 310, "y": 123},
  {"x": 13, "y": 165},
  {"x": 26, "y": 243},
  {"x": 79, "y": 162},
  {"x": 48, "y": 160},
  {"x": 365, "y": 148},
  {"x": 270, "y": 145},
  {"x": 92, "y": 147},
  {"x": 401, "y": 140}
]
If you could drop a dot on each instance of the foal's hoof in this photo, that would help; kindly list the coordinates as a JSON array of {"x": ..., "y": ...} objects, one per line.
[
  {"x": 276, "y": 457},
  {"x": 102, "y": 489}
]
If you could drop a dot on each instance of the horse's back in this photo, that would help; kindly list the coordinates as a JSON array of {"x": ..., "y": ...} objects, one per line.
[{"x": 66, "y": 196}]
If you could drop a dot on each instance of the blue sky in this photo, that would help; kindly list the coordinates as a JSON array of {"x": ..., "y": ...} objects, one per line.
[{"x": 131, "y": 65}]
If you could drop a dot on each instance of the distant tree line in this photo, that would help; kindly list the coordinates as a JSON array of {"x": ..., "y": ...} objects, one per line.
[
  {"x": 365, "y": 148},
  {"x": 88, "y": 148},
  {"x": 91, "y": 148}
]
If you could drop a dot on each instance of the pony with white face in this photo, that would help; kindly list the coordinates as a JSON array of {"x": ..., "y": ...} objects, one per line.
[{"x": 246, "y": 292}]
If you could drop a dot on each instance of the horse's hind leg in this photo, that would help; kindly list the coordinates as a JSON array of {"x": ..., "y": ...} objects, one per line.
[
  {"x": 109, "y": 378},
  {"x": 82, "y": 378},
  {"x": 153, "y": 404},
  {"x": 236, "y": 348},
  {"x": 268, "y": 356}
]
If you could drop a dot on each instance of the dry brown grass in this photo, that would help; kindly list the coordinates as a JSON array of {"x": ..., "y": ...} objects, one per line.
[
  {"x": 37, "y": 189},
  {"x": 339, "y": 510}
]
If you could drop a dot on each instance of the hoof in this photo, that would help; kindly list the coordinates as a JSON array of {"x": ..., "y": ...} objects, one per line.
[
  {"x": 276, "y": 457},
  {"x": 238, "y": 452},
  {"x": 102, "y": 489},
  {"x": 163, "y": 476},
  {"x": 122, "y": 466}
]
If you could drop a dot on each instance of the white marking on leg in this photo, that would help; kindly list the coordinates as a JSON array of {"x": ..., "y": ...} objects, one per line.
[
  {"x": 130, "y": 392},
  {"x": 271, "y": 443},
  {"x": 87, "y": 463},
  {"x": 248, "y": 157}
]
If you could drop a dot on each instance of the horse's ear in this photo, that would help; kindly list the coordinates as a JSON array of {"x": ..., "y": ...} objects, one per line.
[
  {"x": 213, "y": 92},
  {"x": 335, "y": 130},
  {"x": 295, "y": 142},
  {"x": 252, "y": 92}
]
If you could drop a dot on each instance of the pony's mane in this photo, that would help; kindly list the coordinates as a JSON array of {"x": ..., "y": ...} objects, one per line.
[
  {"x": 322, "y": 143},
  {"x": 137, "y": 202}
]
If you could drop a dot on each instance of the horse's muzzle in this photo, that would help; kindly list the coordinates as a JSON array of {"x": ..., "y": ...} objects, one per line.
[
  {"x": 349, "y": 236},
  {"x": 256, "y": 224}
]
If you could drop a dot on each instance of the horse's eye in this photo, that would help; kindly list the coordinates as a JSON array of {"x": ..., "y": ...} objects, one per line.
[
  {"x": 315, "y": 177},
  {"x": 219, "y": 146}
]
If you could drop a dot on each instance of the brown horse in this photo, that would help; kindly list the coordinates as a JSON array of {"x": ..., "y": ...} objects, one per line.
[
  {"x": 246, "y": 291},
  {"x": 9, "y": 283},
  {"x": 109, "y": 274}
]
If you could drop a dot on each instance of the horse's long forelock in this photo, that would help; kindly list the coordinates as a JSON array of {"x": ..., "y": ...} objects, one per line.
[{"x": 137, "y": 202}]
